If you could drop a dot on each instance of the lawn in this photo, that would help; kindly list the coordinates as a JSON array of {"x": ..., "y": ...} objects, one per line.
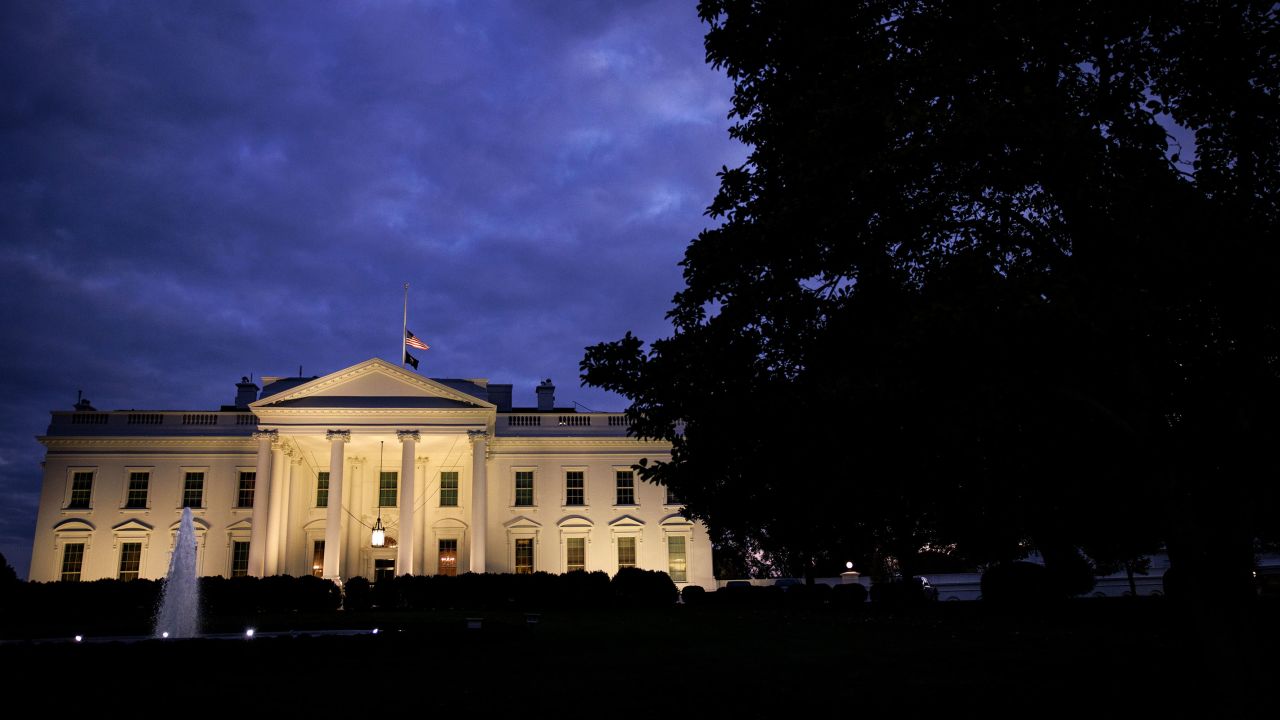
[{"x": 1138, "y": 657}]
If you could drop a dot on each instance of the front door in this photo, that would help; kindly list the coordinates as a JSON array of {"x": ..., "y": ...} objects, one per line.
[{"x": 448, "y": 564}]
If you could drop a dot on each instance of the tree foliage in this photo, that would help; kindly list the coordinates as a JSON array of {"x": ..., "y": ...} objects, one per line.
[{"x": 991, "y": 274}]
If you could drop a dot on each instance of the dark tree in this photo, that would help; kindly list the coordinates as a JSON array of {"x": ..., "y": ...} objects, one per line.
[{"x": 993, "y": 274}]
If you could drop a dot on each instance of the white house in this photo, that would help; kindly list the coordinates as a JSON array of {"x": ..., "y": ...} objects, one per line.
[{"x": 293, "y": 479}]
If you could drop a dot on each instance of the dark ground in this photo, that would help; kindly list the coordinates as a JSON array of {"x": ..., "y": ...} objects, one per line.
[{"x": 1118, "y": 657}]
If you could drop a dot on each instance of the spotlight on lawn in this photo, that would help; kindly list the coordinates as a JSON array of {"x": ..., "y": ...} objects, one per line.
[
  {"x": 248, "y": 634},
  {"x": 79, "y": 638}
]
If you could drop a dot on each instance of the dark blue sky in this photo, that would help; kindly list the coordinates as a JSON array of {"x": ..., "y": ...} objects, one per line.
[{"x": 194, "y": 191}]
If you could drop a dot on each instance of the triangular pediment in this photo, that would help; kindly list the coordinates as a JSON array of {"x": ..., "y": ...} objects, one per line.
[
  {"x": 372, "y": 384},
  {"x": 626, "y": 521}
]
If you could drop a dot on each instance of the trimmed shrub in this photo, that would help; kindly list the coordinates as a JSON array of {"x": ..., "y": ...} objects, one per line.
[
  {"x": 900, "y": 593},
  {"x": 634, "y": 587},
  {"x": 357, "y": 594},
  {"x": 807, "y": 596},
  {"x": 848, "y": 595},
  {"x": 693, "y": 595},
  {"x": 1017, "y": 583}
]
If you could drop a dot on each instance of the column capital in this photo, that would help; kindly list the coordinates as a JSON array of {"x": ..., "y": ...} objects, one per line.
[
  {"x": 407, "y": 435},
  {"x": 475, "y": 435},
  {"x": 422, "y": 460},
  {"x": 266, "y": 435},
  {"x": 343, "y": 435},
  {"x": 288, "y": 449}
]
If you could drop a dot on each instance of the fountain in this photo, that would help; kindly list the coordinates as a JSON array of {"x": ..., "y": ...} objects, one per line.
[{"x": 179, "y": 613}]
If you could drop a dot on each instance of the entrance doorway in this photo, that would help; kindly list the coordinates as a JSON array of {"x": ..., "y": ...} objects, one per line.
[{"x": 448, "y": 564}]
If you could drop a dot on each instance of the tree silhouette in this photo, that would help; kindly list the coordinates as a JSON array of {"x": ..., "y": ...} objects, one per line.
[{"x": 988, "y": 273}]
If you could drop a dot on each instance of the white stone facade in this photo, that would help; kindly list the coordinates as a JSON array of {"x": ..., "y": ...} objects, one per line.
[{"x": 466, "y": 483}]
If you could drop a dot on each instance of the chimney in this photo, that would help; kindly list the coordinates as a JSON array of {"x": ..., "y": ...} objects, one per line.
[
  {"x": 546, "y": 396},
  {"x": 82, "y": 402},
  {"x": 246, "y": 392},
  {"x": 500, "y": 395}
]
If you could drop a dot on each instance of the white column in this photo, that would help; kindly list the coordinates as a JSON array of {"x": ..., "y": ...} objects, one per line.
[
  {"x": 420, "y": 550},
  {"x": 294, "y": 457},
  {"x": 261, "y": 503},
  {"x": 355, "y": 534},
  {"x": 338, "y": 440},
  {"x": 479, "y": 498},
  {"x": 405, "y": 556},
  {"x": 279, "y": 469}
]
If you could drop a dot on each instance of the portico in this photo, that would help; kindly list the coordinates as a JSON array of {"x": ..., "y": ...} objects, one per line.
[{"x": 382, "y": 440}]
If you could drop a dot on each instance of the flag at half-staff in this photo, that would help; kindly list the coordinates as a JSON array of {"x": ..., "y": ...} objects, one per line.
[
  {"x": 410, "y": 359},
  {"x": 412, "y": 341}
]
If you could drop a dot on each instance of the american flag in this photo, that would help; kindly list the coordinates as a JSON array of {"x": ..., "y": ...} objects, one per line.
[{"x": 412, "y": 341}]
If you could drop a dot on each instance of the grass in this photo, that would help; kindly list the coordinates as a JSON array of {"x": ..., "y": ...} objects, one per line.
[{"x": 1096, "y": 656}]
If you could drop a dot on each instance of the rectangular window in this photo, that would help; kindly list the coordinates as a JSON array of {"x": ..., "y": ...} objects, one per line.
[
  {"x": 671, "y": 497},
  {"x": 448, "y": 489},
  {"x": 322, "y": 489},
  {"x": 244, "y": 493},
  {"x": 193, "y": 490},
  {"x": 72, "y": 561},
  {"x": 81, "y": 490},
  {"x": 524, "y": 488},
  {"x": 130, "y": 560},
  {"x": 626, "y": 487},
  {"x": 387, "y": 482},
  {"x": 677, "y": 568},
  {"x": 575, "y": 554},
  {"x": 239, "y": 558},
  {"x": 575, "y": 488},
  {"x": 524, "y": 556},
  {"x": 626, "y": 551},
  {"x": 136, "y": 497},
  {"x": 384, "y": 569},
  {"x": 448, "y": 557},
  {"x": 317, "y": 558}
]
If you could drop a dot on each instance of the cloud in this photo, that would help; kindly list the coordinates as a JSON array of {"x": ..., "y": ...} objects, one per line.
[{"x": 191, "y": 192}]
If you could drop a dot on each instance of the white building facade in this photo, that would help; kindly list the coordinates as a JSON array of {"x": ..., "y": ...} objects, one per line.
[{"x": 293, "y": 479}]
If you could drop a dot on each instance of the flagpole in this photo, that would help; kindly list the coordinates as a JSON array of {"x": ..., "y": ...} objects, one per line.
[{"x": 404, "y": 331}]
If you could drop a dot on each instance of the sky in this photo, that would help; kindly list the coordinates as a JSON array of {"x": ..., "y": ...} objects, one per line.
[{"x": 191, "y": 192}]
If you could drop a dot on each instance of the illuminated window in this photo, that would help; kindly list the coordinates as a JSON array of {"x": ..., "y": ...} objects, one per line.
[
  {"x": 677, "y": 567},
  {"x": 81, "y": 490},
  {"x": 524, "y": 488},
  {"x": 524, "y": 556},
  {"x": 575, "y": 488},
  {"x": 317, "y": 558},
  {"x": 449, "y": 489},
  {"x": 136, "y": 497},
  {"x": 322, "y": 489},
  {"x": 193, "y": 490},
  {"x": 387, "y": 482},
  {"x": 626, "y": 487},
  {"x": 575, "y": 554},
  {"x": 384, "y": 569},
  {"x": 626, "y": 551},
  {"x": 244, "y": 493},
  {"x": 130, "y": 560},
  {"x": 239, "y": 558},
  {"x": 448, "y": 557},
  {"x": 72, "y": 561}
]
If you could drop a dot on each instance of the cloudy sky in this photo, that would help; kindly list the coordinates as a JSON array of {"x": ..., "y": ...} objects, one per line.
[{"x": 194, "y": 191}]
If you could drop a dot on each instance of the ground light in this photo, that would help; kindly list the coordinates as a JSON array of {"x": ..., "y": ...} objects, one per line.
[{"x": 248, "y": 634}]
